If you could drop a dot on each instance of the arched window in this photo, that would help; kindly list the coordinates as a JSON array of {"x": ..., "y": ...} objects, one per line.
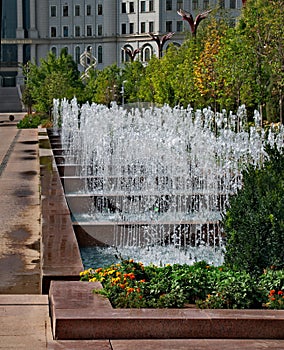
[
  {"x": 100, "y": 54},
  {"x": 124, "y": 56},
  {"x": 147, "y": 53},
  {"x": 54, "y": 51}
]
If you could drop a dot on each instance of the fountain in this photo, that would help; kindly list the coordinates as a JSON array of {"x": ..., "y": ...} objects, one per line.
[{"x": 153, "y": 183}]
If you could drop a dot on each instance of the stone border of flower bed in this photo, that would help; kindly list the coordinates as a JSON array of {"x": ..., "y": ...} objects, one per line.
[{"x": 78, "y": 313}]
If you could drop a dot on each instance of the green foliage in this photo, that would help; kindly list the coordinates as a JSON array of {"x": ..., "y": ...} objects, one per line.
[
  {"x": 53, "y": 78},
  {"x": 254, "y": 221},
  {"x": 131, "y": 285},
  {"x": 233, "y": 290},
  {"x": 31, "y": 121}
]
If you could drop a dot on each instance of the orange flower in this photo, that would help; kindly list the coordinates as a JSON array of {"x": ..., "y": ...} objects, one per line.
[
  {"x": 130, "y": 290},
  {"x": 272, "y": 292}
]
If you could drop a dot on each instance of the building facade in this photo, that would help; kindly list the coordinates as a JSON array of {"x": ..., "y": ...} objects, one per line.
[{"x": 32, "y": 28}]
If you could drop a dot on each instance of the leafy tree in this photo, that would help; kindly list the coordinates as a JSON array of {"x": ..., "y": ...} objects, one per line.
[
  {"x": 261, "y": 26},
  {"x": 132, "y": 75},
  {"x": 55, "y": 77},
  {"x": 254, "y": 221},
  {"x": 106, "y": 85}
]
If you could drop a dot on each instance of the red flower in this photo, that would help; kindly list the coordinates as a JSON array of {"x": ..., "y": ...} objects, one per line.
[{"x": 280, "y": 292}]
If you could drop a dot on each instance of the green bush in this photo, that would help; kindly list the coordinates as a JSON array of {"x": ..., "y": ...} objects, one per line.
[
  {"x": 254, "y": 220},
  {"x": 31, "y": 121}
]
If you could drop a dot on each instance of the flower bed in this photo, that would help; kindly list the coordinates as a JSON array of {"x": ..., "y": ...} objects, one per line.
[{"x": 130, "y": 284}]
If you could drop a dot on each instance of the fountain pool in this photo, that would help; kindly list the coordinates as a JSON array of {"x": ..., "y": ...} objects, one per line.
[{"x": 153, "y": 183}]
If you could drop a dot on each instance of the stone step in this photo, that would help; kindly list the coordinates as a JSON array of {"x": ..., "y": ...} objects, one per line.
[{"x": 10, "y": 100}]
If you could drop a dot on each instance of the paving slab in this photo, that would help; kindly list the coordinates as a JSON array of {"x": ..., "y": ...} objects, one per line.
[{"x": 24, "y": 322}]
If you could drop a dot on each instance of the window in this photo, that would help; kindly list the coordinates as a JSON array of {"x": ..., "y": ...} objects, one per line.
[
  {"x": 194, "y": 4},
  {"x": 100, "y": 54},
  {"x": 77, "y": 54},
  {"x": 147, "y": 54},
  {"x": 131, "y": 7},
  {"x": 151, "y": 5},
  {"x": 65, "y": 31},
  {"x": 169, "y": 26},
  {"x": 53, "y": 32},
  {"x": 123, "y": 28},
  {"x": 205, "y": 4},
  {"x": 179, "y": 4},
  {"x": 54, "y": 51},
  {"x": 52, "y": 11},
  {"x": 131, "y": 28},
  {"x": 77, "y": 31},
  {"x": 88, "y": 10},
  {"x": 100, "y": 9},
  {"x": 179, "y": 26},
  {"x": 151, "y": 27},
  {"x": 142, "y": 27},
  {"x": 65, "y": 10},
  {"x": 169, "y": 5},
  {"x": 100, "y": 30},
  {"x": 123, "y": 7},
  {"x": 77, "y": 10},
  {"x": 143, "y": 6},
  {"x": 232, "y": 4},
  {"x": 89, "y": 30},
  {"x": 222, "y": 4}
]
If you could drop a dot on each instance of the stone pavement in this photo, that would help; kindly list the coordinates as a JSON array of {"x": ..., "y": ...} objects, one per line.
[
  {"x": 24, "y": 311},
  {"x": 19, "y": 209}
]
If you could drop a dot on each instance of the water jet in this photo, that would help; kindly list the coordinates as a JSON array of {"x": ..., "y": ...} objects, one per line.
[{"x": 156, "y": 180}]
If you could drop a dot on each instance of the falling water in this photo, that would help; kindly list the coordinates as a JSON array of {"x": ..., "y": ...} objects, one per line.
[{"x": 160, "y": 178}]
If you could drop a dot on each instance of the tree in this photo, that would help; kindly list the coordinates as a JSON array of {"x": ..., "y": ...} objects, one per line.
[
  {"x": 106, "y": 84},
  {"x": 55, "y": 77},
  {"x": 206, "y": 77},
  {"x": 261, "y": 26},
  {"x": 132, "y": 75}
]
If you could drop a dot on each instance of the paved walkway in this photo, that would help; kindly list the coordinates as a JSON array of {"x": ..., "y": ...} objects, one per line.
[
  {"x": 24, "y": 312},
  {"x": 19, "y": 209}
]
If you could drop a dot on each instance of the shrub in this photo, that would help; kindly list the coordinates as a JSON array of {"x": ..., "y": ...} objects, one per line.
[
  {"x": 254, "y": 221},
  {"x": 31, "y": 121},
  {"x": 131, "y": 285}
]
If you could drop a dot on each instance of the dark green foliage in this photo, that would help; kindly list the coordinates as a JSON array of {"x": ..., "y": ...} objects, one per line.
[
  {"x": 254, "y": 221},
  {"x": 131, "y": 285},
  {"x": 31, "y": 121}
]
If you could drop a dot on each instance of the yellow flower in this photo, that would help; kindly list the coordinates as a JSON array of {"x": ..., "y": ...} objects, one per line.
[{"x": 93, "y": 279}]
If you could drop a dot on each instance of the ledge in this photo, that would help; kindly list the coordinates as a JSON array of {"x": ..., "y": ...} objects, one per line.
[{"x": 77, "y": 313}]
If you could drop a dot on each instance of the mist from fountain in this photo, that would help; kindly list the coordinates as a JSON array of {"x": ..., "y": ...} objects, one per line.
[{"x": 162, "y": 175}]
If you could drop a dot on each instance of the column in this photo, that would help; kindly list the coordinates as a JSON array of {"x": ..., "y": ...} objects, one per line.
[
  {"x": 20, "y": 29},
  {"x": 20, "y": 78},
  {"x": 33, "y": 33}
]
